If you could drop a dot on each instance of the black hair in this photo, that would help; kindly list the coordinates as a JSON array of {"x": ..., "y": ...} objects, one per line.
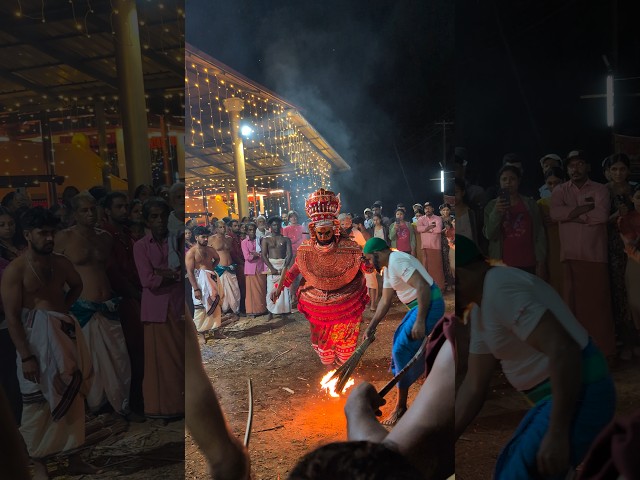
[
  {"x": 154, "y": 202},
  {"x": 7, "y": 199},
  {"x": 200, "y": 231},
  {"x": 510, "y": 168},
  {"x": 615, "y": 158},
  {"x": 358, "y": 220},
  {"x": 98, "y": 192},
  {"x": 354, "y": 460},
  {"x": 18, "y": 236},
  {"x": 556, "y": 172},
  {"x": 68, "y": 193},
  {"x": 111, "y": 196},
  {"x": 275, "y": 218},
  {"x": 38, "y": 217},
  {"x": 140, "y": 188}
]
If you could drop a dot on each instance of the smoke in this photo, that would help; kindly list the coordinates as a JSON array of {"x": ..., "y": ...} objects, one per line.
[{"x": 369, "y": 76}]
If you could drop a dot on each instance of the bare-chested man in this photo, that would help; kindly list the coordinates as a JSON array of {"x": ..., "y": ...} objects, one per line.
[
  {"x": 228, "y": 287},
  {"x": 277, "y": 254},
  {"x": 36, "y": 308},
  {"x": 200, "y": 261},
  {"x": 89, "y": 249}
]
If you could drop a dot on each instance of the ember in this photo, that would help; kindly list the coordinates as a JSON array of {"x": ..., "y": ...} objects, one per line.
[{"x": 329, "y": 384}]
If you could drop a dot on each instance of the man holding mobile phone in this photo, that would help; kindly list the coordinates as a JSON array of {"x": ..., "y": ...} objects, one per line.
[{"x": 582, "y": 208}]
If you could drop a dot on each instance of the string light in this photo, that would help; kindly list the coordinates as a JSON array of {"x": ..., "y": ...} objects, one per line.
[{"x": 277, "y": 142}]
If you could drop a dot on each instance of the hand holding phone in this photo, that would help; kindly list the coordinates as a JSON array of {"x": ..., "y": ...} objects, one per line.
[{"x": 505, "y": 196}]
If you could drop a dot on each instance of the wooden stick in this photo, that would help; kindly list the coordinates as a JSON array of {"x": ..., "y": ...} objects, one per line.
[
  {"x": 247, "y": 432},
  {"x": 269, "y": 429},
  {"x": 278, "y": 355},
  {"x": 387, "y": 388}
]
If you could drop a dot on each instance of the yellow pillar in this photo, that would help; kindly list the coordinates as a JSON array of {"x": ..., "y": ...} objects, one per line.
[
  {"x": 262, "y": 204},
  {"x": 133, "y": 109},
  {"x": 234, "y": 106}
]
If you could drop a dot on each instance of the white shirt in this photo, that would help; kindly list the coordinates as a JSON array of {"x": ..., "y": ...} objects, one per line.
[
  {"x": 259, "y": 236},
  {"x": 513, "y": 301},
  {"x": 356, "y": 236},
  {"x": 397, "y": 274}
]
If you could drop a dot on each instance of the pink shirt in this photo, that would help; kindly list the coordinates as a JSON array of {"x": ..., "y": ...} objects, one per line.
[
  {"x": 432, "y": 239},
  {"x": 586, "y": 238},
  {"x": 156, "y": 300},
  {"x": 294, "y": 232},
  {"x": 251, "y": 265}
]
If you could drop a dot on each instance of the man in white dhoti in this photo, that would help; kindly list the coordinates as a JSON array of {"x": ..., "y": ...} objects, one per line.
[
  {"x": 54, "y": 367},
  {"x": 89, "y": 249},
  {"x": 228, "y": 287},
  {"x": 277, "y": 254},
  {"x": 200, "y": 262}
]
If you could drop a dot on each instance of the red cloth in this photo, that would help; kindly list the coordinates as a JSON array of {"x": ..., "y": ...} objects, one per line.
[
  {"x": 615, "y": 453},
  {"x": 517, "y": 247},
  {"x": 403, "y": 237},
  {"x": 295, "y": 234},
  {"x": 444, "y": 330}
]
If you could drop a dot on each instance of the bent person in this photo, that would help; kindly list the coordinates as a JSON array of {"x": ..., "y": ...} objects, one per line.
[
  {"x": 405, "y": 275},
  {"x": 546, "y": 354}
]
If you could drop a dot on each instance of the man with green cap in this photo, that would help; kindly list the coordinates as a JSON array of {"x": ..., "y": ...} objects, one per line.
[
  {"x": 518, "y": 319},
  {"x": 406, "y": 276}
]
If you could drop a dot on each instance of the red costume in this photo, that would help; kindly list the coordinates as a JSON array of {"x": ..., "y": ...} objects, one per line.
[{"x": 333, "y": 293}]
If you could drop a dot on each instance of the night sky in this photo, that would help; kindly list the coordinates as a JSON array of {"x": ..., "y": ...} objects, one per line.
[
  {"x": 372, "y": 77},
  {"x": 521, "y": 67}
]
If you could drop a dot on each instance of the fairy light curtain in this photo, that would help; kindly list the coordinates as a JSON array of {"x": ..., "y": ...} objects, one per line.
[{"x": 276, "y": 143}]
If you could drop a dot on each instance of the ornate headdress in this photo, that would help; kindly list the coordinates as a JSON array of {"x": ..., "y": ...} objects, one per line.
[{"x": 322, "y": 207}]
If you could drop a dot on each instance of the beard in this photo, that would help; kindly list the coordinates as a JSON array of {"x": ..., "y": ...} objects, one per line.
[
  {"x": 376, "y": 264},
  {"x": 45, "y": 249}
]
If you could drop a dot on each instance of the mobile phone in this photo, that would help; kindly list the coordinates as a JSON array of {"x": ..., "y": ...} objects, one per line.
[
  {"x": 504, "y": 194},
  {"x": 589, "y": 200}
]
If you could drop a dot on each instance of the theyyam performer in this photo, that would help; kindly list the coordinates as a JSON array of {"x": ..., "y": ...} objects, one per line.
[{"x": 333, "y": 294}]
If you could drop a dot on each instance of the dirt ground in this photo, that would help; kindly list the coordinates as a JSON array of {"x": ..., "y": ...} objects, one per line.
[
  {"x": 277, "y": 355},
  {"x": 146, "y": 450}
]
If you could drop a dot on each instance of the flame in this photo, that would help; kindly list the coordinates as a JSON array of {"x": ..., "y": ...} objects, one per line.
[{"x": 330, "y": 385}]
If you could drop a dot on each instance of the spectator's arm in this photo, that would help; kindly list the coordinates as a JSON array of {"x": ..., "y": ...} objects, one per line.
[
  {"x": 148, "y": 279},
  {"x": 228, "y": 459},
  {"x": 492, "y": 221},
  {"x": 473, "y": 390},
  {"x": 600, "y": 212}
]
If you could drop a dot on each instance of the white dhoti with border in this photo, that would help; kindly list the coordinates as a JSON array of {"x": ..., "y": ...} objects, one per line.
[
  {"x": 53, "y": 411},
  {"x": 283, "y": 304},
  {"x": 207, "y": 314}
]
